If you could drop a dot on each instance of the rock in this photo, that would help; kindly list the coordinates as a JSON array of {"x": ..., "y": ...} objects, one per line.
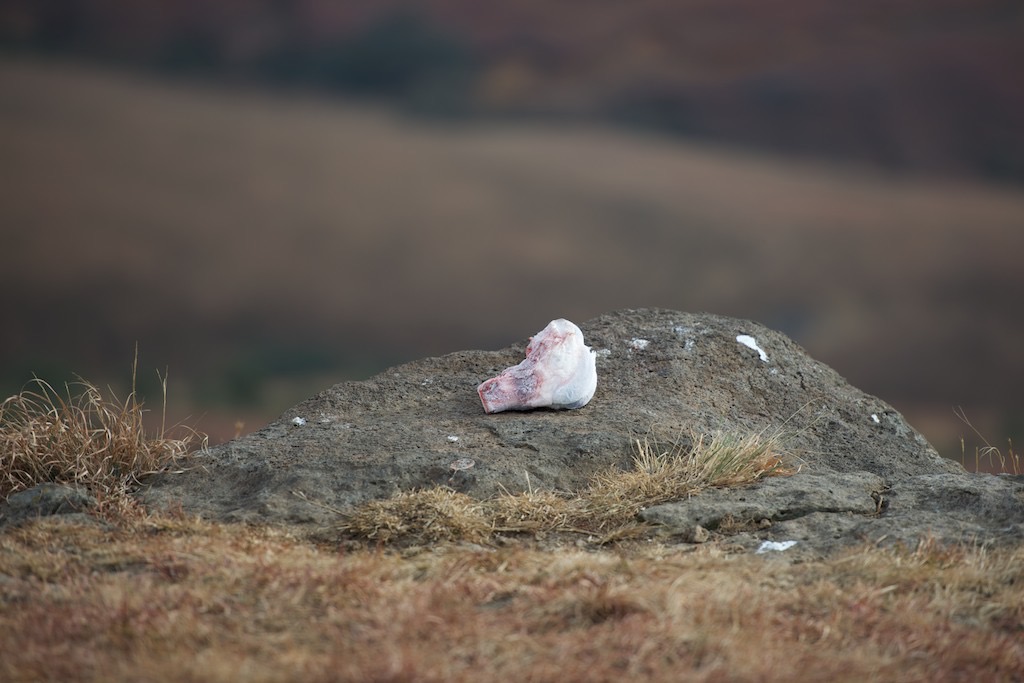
[
  {"x": 403, "y": 429},
  {"x": 970, "y": 507},
  {"x": 43, "y": 500},
  {"x": 775, "y": 499},
  {"x": 824, "y": 512}
]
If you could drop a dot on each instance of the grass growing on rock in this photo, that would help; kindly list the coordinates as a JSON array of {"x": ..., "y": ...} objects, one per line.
[
  {"x": 661, "y": 474},
  {"x": 607, "y": 507}
]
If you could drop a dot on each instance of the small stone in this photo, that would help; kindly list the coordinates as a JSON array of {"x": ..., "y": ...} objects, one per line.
[
  {"x": 461, "y": 464},
  {"x": 50, "y": 499}
]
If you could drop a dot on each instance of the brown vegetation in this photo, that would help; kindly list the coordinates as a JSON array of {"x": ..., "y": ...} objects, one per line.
[{"x": 178, "y": 599}]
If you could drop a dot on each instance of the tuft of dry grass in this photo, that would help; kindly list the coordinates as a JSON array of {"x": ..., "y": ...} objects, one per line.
[
  {"x": 430, "y": 516},
  {"x": 82, "y": 437},
  {"x": 533, "y": 512},
  {"x": 607, "y": 507}
]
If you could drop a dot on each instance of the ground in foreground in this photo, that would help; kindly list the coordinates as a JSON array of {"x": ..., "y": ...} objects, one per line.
[{"x": 165, "y": 598}]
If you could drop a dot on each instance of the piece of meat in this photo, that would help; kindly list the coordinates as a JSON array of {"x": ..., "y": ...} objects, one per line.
[{"x": 559, "y": 372}]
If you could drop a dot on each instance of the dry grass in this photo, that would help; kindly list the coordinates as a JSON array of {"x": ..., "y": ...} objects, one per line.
[
  {"x": 81, "y": 437},
  {"x": 84, "y": 602},
  {"x": 607, "y": 508},
  {"x": 431, "y": 516},
  {"x": 661, "y": 474},
  {"x": 988, "y": 458}
]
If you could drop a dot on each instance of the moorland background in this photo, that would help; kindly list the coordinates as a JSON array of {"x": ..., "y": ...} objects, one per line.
[{"x": 267, "y": 198}]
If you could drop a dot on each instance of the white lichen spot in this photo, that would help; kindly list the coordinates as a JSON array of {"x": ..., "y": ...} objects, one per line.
[
  {"x": 874, "y": 418},
  {"x": 298, "y": 421},
  {"x": 638, "y": 344},
  {"x": 775, "y": 546},
  {"x": 750, "y": 342},
  {"x": 604, "y": 352},
  {"x": 453, "y": 438}
]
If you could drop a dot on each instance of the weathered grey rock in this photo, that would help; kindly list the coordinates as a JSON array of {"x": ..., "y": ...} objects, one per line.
[
  {"x": 773, "y": 500},
  {"x": 44, "y": 500},
  {"x": 970, "y": 507},
  {"x": 660, "y": 369},
  {"x": 823, "y": 512}
]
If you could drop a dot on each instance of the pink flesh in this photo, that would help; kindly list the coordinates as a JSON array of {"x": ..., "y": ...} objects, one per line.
[{"x": 517, "y": 386}]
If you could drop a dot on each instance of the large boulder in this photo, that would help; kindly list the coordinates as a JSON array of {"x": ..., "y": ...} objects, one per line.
[{"x": 675, "y": 373}]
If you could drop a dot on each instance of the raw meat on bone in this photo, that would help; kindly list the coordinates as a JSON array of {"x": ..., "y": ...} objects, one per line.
[{"x": 559, "y": 372}]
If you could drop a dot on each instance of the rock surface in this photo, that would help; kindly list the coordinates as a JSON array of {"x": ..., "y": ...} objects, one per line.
[
  {"x": 864, "y": 472},
  {"x": 824, "y": 511},
  {"x": 44, "y": 500}
]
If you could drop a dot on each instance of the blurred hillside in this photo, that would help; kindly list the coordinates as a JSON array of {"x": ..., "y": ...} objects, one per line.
[
  {"x": 264, "y": 247},
  {"x": 925, "y": 85}
]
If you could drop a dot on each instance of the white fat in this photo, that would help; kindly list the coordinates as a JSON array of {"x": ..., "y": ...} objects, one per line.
[
  {"x": 453, "y": 438},
  {"x": 750, "y": 342},
  {"x": 638, "y": 344},
  {"x": 298, "y": 421},
  {"x": 874, "y": 418}
]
